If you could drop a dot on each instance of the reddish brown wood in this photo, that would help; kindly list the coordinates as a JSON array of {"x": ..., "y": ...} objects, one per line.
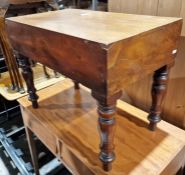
[
  {"x": 107, "y": 130},
  {"x": 66, "y": 123},
  {"x": 104, "y": 61},
  {"x": 107, "y": 121},
  {"x": 27, "y": 74},
  {"x": 158, "y": 92}
]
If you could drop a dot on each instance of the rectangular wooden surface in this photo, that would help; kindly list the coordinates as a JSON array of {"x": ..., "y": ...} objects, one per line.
[
  {"x": 70, "y": 117},
  {"x": 103, "y": 51},
  {"x": 100, "y": 27}
]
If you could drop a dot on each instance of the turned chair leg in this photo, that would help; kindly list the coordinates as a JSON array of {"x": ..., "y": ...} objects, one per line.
[
  {"x": 45, "y": 72},
  {"x": 159, "y": 86},
  {"x": 57, "y": 75},
  {"x": 107, "y": 124},
  {"x": 27, "y": 74}
]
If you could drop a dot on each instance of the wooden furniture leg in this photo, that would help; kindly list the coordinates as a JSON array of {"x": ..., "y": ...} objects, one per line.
[
  {"x": 33, "y": 151},
  {"x": 17, "y": 75},
  {"x": 45, "y": 72},
  {"x": 9, "y": 58},
  {"x": 13, "y": 85},
  {"x": 15, "y": 9},
  {"x": 158, "y": 92},
  {"x": 57, "y": 75},
  {"x": 106, "y": 111},
  {"x": 27, "y": 74},
  {"x": 2, "y": 43},
  {"x": 76, "y": 84}
]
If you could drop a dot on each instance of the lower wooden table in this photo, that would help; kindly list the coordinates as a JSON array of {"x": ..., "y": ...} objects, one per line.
[
  {"x": 103, "y": 51},
  {"x": 66, "y": 123}
]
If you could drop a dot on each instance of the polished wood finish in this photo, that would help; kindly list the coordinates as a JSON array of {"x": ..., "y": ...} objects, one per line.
[
  {"x": 138, "y": 93},
  {"x": 171, "y": 8},
  {"x": 27, "y": 74},
  {"x": 107, "y": 128},
  {"x": 8, "y": 54},
  {"x": 66, "y": 123},
  {"x": 173, "y": 109},
  {"x": 86, "y": 19},
  {"x": 158, "y": 92},
  {"x": 97, "y": 44},
  {"x": 111, "y": 50}
]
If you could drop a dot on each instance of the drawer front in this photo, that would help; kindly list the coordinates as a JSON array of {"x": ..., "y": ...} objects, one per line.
[{"x": 72, "y": 161}]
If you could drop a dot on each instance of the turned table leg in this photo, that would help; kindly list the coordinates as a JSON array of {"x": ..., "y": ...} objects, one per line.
[
  {"x": 106, "y": 121},
  {"x": 160, "y": 79},
  {"x": 27, "y": 74}
]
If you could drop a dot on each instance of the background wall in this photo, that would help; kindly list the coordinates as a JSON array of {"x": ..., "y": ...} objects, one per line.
[{"x": 175, "y": 8}]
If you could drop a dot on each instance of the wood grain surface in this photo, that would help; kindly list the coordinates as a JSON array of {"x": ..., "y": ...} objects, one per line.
[
  {"x": 66, "y": 123},
  {"x": 110, "y": 51},
  {"x": 138, "y": 93},
  {"x": 100, "y": 27},
  {"x": 94, "y": 61},
  {"x": 132, "y": 59}
]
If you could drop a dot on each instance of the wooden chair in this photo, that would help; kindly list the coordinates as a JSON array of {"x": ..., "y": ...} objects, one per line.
[{"x": 15, "y": 8}]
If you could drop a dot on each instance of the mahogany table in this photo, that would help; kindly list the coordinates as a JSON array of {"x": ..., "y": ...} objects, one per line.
[
  {"x": 103, "y": 51},
  {"x": 66, "y": 123}
]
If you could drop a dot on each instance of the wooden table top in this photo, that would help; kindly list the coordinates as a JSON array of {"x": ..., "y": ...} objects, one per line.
[
  {"x": 70, "y": 116},
  {"x": 100, "y": 27},
  {"x": 101, "y": 50}
]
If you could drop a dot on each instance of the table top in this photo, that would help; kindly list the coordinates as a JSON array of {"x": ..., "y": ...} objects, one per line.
[
  {"x": 101, "y": 27},
  {"x": 71, "y": 117},
  {"x": 101, "y": 50}
]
